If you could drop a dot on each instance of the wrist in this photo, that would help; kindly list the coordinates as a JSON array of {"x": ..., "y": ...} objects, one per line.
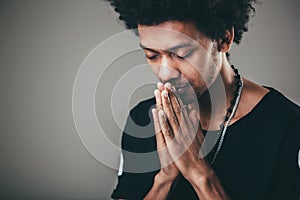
[
  {"x": 163, "y": 179},
  {"x": 201, "y": 177},
  {"x": 200, "y": 171},
  {"x": 160, "y": 188},
  {"x": 208, "y": 186}
]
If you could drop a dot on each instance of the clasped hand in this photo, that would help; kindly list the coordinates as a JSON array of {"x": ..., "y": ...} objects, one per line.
[{"x": 178, "y": 135}]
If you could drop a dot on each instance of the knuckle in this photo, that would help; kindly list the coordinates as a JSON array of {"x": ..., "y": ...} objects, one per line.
[
  {"x": 169, "y": 132},
  {"x": 172, "y": 119},
  {"x": 158, "y": 132},
  {"x": 158, "y": 106},
  {"x": 177, "y": 110},
  {"x": 156, "y": 122}
]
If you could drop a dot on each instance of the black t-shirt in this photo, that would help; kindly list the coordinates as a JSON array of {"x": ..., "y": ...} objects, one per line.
[{"x": 258, "y": 159}]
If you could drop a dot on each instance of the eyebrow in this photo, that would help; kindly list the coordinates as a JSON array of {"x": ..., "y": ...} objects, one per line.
[{"x": 170, "y": 49}]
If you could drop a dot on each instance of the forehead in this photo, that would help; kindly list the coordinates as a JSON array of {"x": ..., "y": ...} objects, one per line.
[{"x": 169, "y": 34}]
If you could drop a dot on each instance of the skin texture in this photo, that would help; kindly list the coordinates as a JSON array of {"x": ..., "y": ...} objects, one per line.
[
  {"x": 182, "y": 112},
  {"x": 195, "y": 65}
]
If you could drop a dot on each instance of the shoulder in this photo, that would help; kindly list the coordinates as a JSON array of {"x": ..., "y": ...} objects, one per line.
[
  {"x": 281, "y": 106},
  {"x": 286, "y": 115},
  {"x": 141, "y": 113},
  {"x": 138, "y": 134},
  {"x": 276, "y": 110},
  {"x": 267, "y": 103},
  {"x": 273, "y": 118},
  {"x": 277, "y": 117}
]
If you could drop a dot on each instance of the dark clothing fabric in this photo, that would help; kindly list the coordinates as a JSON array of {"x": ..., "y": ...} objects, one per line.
[{"x": 258, "y": 159}]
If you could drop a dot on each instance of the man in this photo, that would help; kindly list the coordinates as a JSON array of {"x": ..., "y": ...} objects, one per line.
[{"x": 201, "y": 95}]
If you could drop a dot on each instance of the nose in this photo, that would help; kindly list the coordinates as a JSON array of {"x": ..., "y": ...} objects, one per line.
[{"x": 167, "y": 69}]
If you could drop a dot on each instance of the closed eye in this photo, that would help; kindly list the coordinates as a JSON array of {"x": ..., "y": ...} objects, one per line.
[
  {"x": 152, "y": 57},
  {"x": 187, "y": 55}
]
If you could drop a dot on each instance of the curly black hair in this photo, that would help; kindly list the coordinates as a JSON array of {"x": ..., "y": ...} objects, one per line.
[{"x": 212, "y": 17}]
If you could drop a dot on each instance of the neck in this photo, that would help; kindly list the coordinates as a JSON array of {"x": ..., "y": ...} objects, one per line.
[{"x": 213, "y": 103}]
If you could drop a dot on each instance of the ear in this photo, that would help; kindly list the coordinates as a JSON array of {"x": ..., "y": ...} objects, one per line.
[{"x": 226, "y": 42}]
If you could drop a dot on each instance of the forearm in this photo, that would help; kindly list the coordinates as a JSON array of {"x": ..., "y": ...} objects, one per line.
[
  {"x": 208, "y": 187},
  {"x": 160, "y": 189}
]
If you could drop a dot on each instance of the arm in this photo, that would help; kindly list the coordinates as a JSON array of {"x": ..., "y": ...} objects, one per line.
[
  {"x": 183, "y": 141},
  {"x": 208, "y": 186},
  {"x": 286, "y": 184},
  {"x": 160, "y": 188}
]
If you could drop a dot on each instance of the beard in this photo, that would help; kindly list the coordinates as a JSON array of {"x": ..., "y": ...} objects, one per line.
[
  {"x": 191, "y": 95},
  {"x": 194, "y": 93},
  {"x": 200, "y": 91}
]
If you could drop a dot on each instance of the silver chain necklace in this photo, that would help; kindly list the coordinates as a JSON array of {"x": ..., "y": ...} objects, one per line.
[{"x": 227, "y": 122}]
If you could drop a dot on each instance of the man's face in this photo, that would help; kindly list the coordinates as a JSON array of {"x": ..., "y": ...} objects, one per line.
[{"x": 178, "y": 53}]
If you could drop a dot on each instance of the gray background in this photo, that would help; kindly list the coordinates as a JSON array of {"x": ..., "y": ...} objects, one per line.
[{"x": 42, "y": 45}]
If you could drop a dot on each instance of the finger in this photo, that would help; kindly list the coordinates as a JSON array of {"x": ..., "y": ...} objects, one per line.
[
  {"x": 177, "y": 109},
  {"x": 166, "y": 129},
  {"x": 161, "y": 146},
  {"x": 187, "y": 129},
  {"x": 158, "y": 99},
  {"x": 168, "y": 110},
  {"x": 182, "y": 108},
  {"x": 160, "y": 141},
  {"x": 193, "y": 115},
  {"x": 160, "y": 86},
  {"x": 200, "y": 139}
]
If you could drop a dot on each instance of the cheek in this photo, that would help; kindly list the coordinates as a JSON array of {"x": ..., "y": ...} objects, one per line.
[
  {"x": 196, "y": 66},
  {"x": 154, "y": 67},
  {"x": 199, "y": 74},
  {"x": 199, "y": 59},
  {"x": 190, "y": 73},
  {"x": 204, "y": 64}
]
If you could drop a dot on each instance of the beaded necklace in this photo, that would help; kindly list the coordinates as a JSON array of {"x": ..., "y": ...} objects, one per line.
[{"x": 230, "y": 111}]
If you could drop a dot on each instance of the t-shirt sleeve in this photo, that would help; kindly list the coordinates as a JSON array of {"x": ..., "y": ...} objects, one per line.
[
  {"x": 125, "y": 188},
  {"x": 132, "y": 184},
  {"x": 138, "y": 138},
  {"x": 286, "y": 184}
]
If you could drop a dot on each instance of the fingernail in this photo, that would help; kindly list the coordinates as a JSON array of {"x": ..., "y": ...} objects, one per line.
[
  {"x": 153, "y": 111},
  {"x": 160, "y": 85},
  {"x": 165, "y": 93},
  {"x": 168, "y": 85}
]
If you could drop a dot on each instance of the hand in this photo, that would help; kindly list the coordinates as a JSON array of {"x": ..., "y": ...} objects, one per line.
[
  {"x": 182, "y": 134},
  {"x": 168, "y": 170},
  {"x": 179, "y": 138}
]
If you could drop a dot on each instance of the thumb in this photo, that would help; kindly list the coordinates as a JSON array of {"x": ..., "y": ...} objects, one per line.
[{"x": 194, "y": 117}]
